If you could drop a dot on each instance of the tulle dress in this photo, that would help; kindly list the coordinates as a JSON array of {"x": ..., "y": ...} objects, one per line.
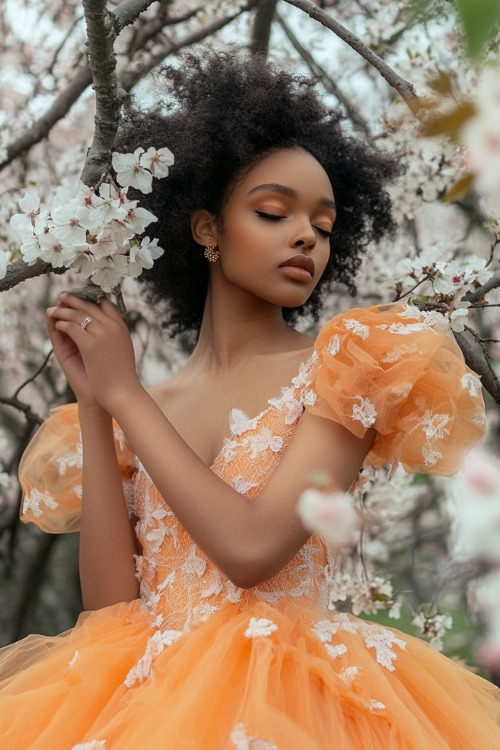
[{"x": 197, "y": 662}]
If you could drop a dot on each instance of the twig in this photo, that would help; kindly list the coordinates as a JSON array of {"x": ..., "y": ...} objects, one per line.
[
  {"x": 34, "y": 376},
  {"x": 325, "y": 79},
  {"x": 480, "y": 364},
  {"x": 403, "y": 87}
]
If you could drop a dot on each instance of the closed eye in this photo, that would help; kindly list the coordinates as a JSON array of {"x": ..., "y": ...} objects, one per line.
[
  {"x": 271, "y": 217},
  {"x": 278, "y": 217}
]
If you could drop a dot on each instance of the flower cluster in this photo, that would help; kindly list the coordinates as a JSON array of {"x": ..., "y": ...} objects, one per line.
[
  {"x": 481, "y": 136},
  {"x": 474, "y": 505},
  {"x": 433, "y": 627},
  {"x": 330, "y": 514},
  {"x": 98, "y": 231},
  {"x": 365, "y": 594},
  {"x": 442, "y": 283}
]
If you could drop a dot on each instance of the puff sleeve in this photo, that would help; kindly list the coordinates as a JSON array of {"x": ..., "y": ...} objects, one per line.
[
  {"x": 400, "y": 371},
  {"x": 50, "y": 472}
]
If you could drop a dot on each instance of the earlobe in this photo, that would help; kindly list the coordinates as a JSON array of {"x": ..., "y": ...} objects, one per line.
[{"x": 204, "y": 227}]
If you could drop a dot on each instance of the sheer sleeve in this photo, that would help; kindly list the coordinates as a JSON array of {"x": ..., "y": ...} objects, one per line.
[
  {"x": 50, "y": 472},
  {"x": 400, "y": 371}
]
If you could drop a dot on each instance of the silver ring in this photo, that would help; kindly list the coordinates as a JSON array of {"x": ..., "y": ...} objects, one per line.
[{"x": 85, "y": 322}]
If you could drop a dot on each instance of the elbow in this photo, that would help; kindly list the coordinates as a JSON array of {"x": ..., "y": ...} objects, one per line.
[{"x": 251, "y": 572}]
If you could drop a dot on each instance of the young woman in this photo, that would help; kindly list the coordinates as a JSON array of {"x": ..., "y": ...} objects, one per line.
[{"x": 206, "y": 622}]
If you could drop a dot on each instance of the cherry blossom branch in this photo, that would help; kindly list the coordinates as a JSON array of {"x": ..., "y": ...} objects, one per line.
[
  {"x": 41, "y": 128},
  {"x": 326, "y": 81},
  {"x": 109, "y": 97},
  {"x": 403, "y": 87},
  {"x": 480, "y": 364}
]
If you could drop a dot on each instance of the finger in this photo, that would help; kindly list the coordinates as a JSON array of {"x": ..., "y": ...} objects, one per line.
[
  {"x": 72, "y": 302},
  {"x": 111, "y": 310},
  {"x": 68, "y": 314}
]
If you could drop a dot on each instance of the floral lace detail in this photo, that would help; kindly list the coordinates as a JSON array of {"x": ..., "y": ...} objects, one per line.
[
  {"x": 73, "y": 460},
  {"x": 399, "y": 351},
  {"x": 364, "y": 412},
  {"x": 359, "y": 329},
  {"x": 92, "y": 745},
  {"x": 472, "y": 383},
  {"x": 155, "y": 646},
  {"x": 260, "y": 627},
  {"x": 242, "y": 741},
  {"x": 74, "y": 659},
  {"x": 33, "y": 501},
  {"x": 374, "y": 636},
  {"x": 334, "y": 345}
]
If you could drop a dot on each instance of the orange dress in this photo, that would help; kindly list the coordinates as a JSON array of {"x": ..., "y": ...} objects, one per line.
[{"x": 197, "y": 663}]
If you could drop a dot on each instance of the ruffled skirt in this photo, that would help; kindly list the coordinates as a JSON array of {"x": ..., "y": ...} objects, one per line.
[{"x": 266, "y": 678}]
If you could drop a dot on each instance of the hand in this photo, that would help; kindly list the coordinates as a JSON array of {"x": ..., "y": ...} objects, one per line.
[{"x": 98, "y": 360}]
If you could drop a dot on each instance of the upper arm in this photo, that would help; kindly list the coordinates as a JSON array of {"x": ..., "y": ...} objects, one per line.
[{"x": 318, "y": 444}]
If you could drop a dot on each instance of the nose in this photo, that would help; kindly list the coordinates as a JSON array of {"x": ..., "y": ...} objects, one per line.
[{"x": 304, "y": 236}]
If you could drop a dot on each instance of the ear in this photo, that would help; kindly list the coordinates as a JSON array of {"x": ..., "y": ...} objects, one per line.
[{"x": 204, "y": 227}]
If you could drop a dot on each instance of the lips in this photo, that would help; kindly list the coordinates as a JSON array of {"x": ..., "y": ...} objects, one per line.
[{"x": 300, "y": 261}]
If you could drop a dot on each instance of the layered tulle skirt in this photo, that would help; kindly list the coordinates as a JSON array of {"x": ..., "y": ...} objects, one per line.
[{"x": 266, "y": 677}]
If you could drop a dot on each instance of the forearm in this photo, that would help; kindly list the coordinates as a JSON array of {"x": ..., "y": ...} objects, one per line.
[
  {"x": 107, "y": 540},
  {"x": 232, "y": 531}
]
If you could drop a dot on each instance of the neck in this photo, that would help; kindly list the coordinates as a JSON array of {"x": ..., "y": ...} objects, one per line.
[{"x": 238, "y": 326}]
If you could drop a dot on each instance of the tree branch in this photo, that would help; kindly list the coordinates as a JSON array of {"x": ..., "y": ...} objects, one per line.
[
  {"x": 404, "y": 88},
  {"x": 56, "y": 112},
  {"x": 326, "y": 81},
  {"x": 261, "y": 29},
  {"x": 481, "y": 366},
  {"x": 109, "y": 97}
]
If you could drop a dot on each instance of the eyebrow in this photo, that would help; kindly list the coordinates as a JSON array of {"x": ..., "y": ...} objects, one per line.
[{"x": 274, "y": 187}]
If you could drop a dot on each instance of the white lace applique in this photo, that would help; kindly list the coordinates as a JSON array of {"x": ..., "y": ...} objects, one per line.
[
  {"x": 71, "y": 460},
  {"x": 472, "y": 384},
  {"x": 399, "y": 351},
  {"x": 288, "y": 401},
  {"x": 431, "y": 456},
  {"x": 479, "y": 419},
  {"x": 310, "y": 398},
  {"x": 334, "y": 345},
  {"x": 155, "y": 645},
  {"x": 92, "y": 745},
  {"x": 434, "y": 425},
  {"x": 242, "y": 741},
  {"x": 358, "y": 329},
  {"x": 374, "y": 636},
  {"x": 240, "y": 422},
  {"x": 263, "y": 440},
  {"x": 35, "y": 498},
  {"x": 228, "y": 451},
  {"x": 410, "y": 311},
  {"x": 78, "y": 490},
  {"x": 260, "y": 627},
  {"x": 382, "y": 640},
  {"x": 348, "y": 675},
  {"x": 74, "y": 659},
  {"x": 241, "y": 486},
  {"x": 128, "y": 493},
  {"x": 402, "y": 329},
  {"x": 364, "y": 412},
  {"x": 402, "y": 390},
  {"x": 376, "y": 705},
  {"x": 194, "y": 564}
]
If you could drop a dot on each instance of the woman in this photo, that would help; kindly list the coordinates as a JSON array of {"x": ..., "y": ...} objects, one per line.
[{"x": 207, "y": 622}]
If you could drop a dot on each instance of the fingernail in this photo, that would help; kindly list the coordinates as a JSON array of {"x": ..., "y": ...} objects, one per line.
[{"x": 50, "y": 310}]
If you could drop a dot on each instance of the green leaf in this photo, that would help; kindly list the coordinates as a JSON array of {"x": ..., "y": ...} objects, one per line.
[{"x": 481, "y": 20}]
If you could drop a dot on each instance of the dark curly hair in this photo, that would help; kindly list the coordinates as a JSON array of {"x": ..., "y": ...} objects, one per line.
[{"x": 220, "y": 115}]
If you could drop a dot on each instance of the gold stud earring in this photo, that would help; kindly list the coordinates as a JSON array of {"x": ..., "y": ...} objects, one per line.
[{"x": 211, "y": 253}]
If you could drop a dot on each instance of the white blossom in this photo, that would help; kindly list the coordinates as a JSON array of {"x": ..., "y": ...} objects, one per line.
[
  {"x": 130, "y": 171},
  {"x": 157, "y": 161},
  {"x": 331, "y": 514}
]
